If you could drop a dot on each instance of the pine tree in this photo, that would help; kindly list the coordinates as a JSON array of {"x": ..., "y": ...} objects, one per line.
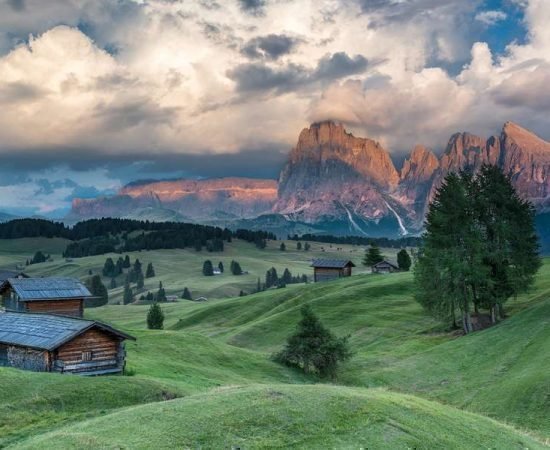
[
  {"x": 137, "y": 266},
  {"x": 298, "y": 246},
  {"x": 242, "y": 293},
  {"x": 220, "y": 267},
  {"x": 259, "y": 285},
  {"x": 113, "y": 283},
  {"x": 236, "y": 268},
  {"x": 207, "y": 269},
  {"x": 150, "y": 271},
  {"x": 155, "y": 317},
  {"x": 128, "y": 296},
  {"x": 287, "y": 277},
  {"x": 161, "y": 293},
  {"x": 126, "y": 263},
  {"x": 404, "y": 260},
  {"x": 271, "y": 278},
  {"x": 307, "y": 246},
  {"x": 186, "y": 294},
  {"x": 98, "y": 290},
  {"x": 140, "y": 282},
  {"x": 282, "y": 247},
  {"x": 372, "y": 256},
  {"x": 109, "y": 269},
  {"x": 314, "y": 348},
  {"x": 119, "y": 266}
]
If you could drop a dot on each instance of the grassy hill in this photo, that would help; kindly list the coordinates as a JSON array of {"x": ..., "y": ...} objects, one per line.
[
  {"x": 411, "y": 383},
  {"x": 278, "y": 416},
  {"x": 178, "y": 269}
]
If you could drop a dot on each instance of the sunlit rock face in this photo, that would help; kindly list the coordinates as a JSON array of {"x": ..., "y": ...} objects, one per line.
[{"x": 346, "y": 183}]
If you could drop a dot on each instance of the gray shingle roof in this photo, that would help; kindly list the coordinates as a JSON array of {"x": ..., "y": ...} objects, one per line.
[
  {"x": 29, "y": 289},
  {"x": 331, "y": 263},
  {"x": 45, "y": 331},
  {"x": 386, "y": 262}
]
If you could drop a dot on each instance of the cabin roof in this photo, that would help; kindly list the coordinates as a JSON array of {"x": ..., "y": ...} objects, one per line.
[
  {"x": 29, "y": 289},
  {"x": 46, "y": 331},
  {"x": 5, "y": 274},
  {"x": 332, "y": 263},
  {"x": 386, "y": 263}
]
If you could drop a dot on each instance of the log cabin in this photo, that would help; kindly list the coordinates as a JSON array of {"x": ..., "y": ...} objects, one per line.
[
  {"x": 385, "y": 267},
  {"x": 64, "y": 296},
  {"x": 51, "y": 343},
  {"x": 331, "y": 269},
  {"x": 5, "y": 274}
]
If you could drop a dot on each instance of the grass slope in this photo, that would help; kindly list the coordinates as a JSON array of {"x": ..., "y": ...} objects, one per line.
[{"x": 280, "y": 416}]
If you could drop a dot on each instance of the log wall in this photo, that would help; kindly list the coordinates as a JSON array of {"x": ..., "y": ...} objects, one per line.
[{"x": 70, "y": 307}]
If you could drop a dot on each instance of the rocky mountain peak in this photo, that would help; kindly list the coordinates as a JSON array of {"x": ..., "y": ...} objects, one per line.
[
  {"x": 514, "y": 135},
  {"x": 420, "y": 166}
]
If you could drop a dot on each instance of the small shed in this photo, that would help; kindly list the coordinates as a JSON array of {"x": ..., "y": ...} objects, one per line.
[
  {"x": 331, "y": 269},
  {"x": 50, "y": 343},
  {"x": 64, "y": 296},
  {"x": 385, "y": 267}
]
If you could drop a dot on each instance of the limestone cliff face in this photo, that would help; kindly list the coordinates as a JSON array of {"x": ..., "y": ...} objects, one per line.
[{"x": 349, "y": 182}]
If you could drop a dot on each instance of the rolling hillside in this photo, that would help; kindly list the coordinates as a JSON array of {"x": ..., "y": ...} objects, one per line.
[{"x": 410, "y": 384}]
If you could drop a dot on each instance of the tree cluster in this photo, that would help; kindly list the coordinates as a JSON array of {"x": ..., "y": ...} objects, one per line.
[
  {"x": 272, "y": 279},
  {"x": 480, "y": 248},
  {"x": 410, "y": 241},
  {"x": 98, "y": 290}
]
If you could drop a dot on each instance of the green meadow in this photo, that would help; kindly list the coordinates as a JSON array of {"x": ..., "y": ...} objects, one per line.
[{"x": 207, "y": 381}]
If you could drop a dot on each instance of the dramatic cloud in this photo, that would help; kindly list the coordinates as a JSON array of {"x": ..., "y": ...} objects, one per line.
[{"x": 103, "y": 83}]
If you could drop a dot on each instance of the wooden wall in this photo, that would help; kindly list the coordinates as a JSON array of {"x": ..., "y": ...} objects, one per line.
[
  {"x": 70, "y": 307},
  {"x": 24, "y": 358},
  {"x": 106, "y": 353}
]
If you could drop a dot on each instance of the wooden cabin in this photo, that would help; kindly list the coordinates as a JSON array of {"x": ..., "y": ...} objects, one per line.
[
  {"x": 64, "y": 296},
  {"x": 385, "y": 267},
  {"x": 331, "y": 269},
  {"x": 51, "y": 343},
  {"x": 5, "y": 274}
]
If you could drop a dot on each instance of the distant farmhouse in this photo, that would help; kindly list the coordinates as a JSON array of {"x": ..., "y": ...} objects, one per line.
[
  {"x": 331, "y": 269},
  {"x": 42, "y": 329},
  {"x": 385, "y": 267}
]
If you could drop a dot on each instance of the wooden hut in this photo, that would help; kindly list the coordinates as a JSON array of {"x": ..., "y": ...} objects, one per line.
[
  {"x": 5, "y": 274},
  {"x": 50, "y": 343},
  {"x": 64, "y": 296},
  {"x": 331, "y": 269},
  {"x": 385, "y": 267}
]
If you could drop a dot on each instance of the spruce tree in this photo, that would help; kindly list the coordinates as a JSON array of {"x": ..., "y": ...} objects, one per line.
[
  {"x": 140, "y": 282},
  {"x": 314, "y": 348},
  {"x": 137, "y": 266},
  {"x": 161, "y": 293},
  {"x": 207, "y": 268},
  {"x": 128, "y": 296},
  {"x": 282, "y": 247},
  {"x": 220, "y": 267},
  {"x": 126, "y": 262},
  {"x": 298, "y": 245},
  {"x": 236, "y": 268},
  {"x": 186, "y": 294},
  {"x": 150, "y": 271},
  {"x": 119, "y": 266},
  {"x": 372, "y": 256},
  {"x": 98, "y": 290},
  {"x": 109, "y": 269},
  {"x": 404, "y": 260},
  {"x": 287, "y": 277},
  {"x": 307, "y": 246},
  {"x": 155, "y": 317},
  {"x": 113, "y": 283}
]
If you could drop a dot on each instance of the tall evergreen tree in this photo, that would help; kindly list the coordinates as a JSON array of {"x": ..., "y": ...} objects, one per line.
[
  {"x": 161, "y": 293},
  {"x": 307, "y": 246},
  {"x": 404, "y": 260},
  {"x": 137, "y": 266},
  {"x": 126, "y": 262},
  {"x": 220, "y": 267},
  {"x": 155, "y": 317},
  {"x": 128, "y": 296},
  {"x": 372, "y": 256},
  {"x": 98, "y": 290},
  {"x": 282, "y": 247},
  {"x": 186, "y": 294},
  {"x": 287, "y": 276},
  {"x": 207, "y": 268},
  {"x": 109, "y": 268},
  {"x": 236, "y": 268},
  {"x": 119, "y": 266},
  {"x": 298, "y": 245},
  {"x": 150, "y": 271},
  {"x": 271, "y": 278},
  {"x": 314, "y": 348},
  {"x": 140, "y": 282},
  {"x": 113, "y": 283}
]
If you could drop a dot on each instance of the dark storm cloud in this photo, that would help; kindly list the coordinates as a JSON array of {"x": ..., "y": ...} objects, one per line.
[
  {"x": 259, "y": 77},
  {"x": 272, "y": 46},
  {"x": 254, "y": 7}
]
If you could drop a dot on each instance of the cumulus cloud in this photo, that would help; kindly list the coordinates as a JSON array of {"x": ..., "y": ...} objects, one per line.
[{"x": 491, "y": 17}]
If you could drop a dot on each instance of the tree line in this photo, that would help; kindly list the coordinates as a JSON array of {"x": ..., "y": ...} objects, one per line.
[{"x": 411, "y": 241}]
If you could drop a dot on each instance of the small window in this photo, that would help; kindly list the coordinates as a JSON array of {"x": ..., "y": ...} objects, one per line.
[{"x": 86, "y": 356}]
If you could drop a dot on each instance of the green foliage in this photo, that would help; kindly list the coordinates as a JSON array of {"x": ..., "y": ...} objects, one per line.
[
  {"x": 298, "y": 246},
  {"x": 150, "y": 271},
  {"x": 314, "y": 348},
  {"x": 282, "y": 247},
  {"x": 161, "y": 294},
  {"x": 373, "y": 255},
  {"x": 98, "y": 290},
  {"x": 207, "y": 268},
  {"x": 155, "y": 317},
  {"x": 39, "y": 257},
  {"x": 480, "y": 247},
  {"x": 271, "y": 278},
  {"x": 186, "y": 294},
  {"x": 236, "y": 268},
  {"x": 126, "y": 264},
  {"x": 128, "y": 296},
  {"x": 307, "y": 246},
  {"x": 404, "y": 260},
  {"x": 140, "y": 282},
  {"x": 113, "y": 284},
  {"x": 220, "y": 267},
  {"x": 109, "y": 268}
]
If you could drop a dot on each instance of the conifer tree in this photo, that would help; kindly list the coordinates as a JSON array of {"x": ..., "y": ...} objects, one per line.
[
  {"x": 307, "y": 246},
  {"x": 186, "y": 294},
  {"x": 372, "y": 256},
  {"x": 150, "y": 271},
  {"x": 126, "y": 263},
  {"x": 314, "y": 348},
  {"x": 236, "y": 268},
  {"x": 140, "y": 282},
  {"x": 128, "y": 296},
  {"x": 109, "y": 269},
  {"x": 113, "y": 283},
  {"x": 207, "y": 269},
  {"x": 155, "y": 317},
  {"x": 298, "y": 245},
  {"x": 404, "y": 260},
  {"x": 220, "y": 267},
  {"x": 282, "y": 247},
  {"x": 161, "y": 293},
  {"x": 98, "y": 290}
]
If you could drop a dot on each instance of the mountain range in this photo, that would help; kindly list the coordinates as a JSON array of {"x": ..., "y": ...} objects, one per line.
[{"x": 335, "y": 182}]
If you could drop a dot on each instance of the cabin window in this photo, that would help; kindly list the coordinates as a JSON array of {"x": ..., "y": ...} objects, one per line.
[{"x": 86, "y": 356}]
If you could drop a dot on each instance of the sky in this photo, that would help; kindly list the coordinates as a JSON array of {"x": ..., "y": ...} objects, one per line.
[{"x": 97, "y": 93}]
